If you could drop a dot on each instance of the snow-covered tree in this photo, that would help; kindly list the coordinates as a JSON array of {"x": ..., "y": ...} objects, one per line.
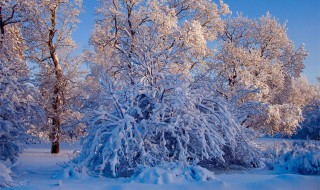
[
  {"x": 151, "y": 108},
  {"x": 257, "y": 55},
  {"x": 50, "y": 45},
  {"x": 12, "y": 12},
  {"x": 19, "y": 108},
  {"x": 310, "y": 127}
]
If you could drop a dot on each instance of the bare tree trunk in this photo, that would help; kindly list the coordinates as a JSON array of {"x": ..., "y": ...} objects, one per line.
[
  {"x": 55, "y": 147},
  {"x": 1, "y": 26},
  {"x": 232, "y": 81},
  {"x": 58, "y": 100}
]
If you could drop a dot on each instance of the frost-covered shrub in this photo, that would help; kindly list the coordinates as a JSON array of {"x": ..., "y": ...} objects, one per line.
[
  {"x": 12, "y": 140},
  {"x": 298, "y": 157},
  {"x": 151, "y": 129},
  {"x": 310, "y": 127},
  {"x": 19, "y": 112},
  {"x": 5, "y": 176},
  {"x": 19, "y": 106},
  {"x": 158, "y": 103},
  {"x": 148, "y": 131},
  {"x": 239, "y": 148}
]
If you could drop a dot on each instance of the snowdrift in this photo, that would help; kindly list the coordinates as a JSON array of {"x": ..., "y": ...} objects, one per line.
[{"x": 173, "y": 173}]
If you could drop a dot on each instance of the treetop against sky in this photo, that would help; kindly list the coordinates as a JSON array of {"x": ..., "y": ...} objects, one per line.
[{"x": 303, "y": 23}]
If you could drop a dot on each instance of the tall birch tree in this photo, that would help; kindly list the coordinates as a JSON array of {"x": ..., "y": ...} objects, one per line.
[{"x": 48, "y": 34}]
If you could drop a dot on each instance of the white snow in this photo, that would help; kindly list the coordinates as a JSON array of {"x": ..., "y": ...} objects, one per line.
[
  {"x": 5, "y": 176},
  {"x": 37, "y": 169},
  {"x": 173, "y": 173}
]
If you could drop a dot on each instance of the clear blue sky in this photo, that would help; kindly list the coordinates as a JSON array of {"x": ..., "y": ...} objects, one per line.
[{"x": 303, "y": 18}]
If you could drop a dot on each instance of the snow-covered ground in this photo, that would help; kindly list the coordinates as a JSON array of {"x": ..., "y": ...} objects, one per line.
[{"x": 38, "y": 169}]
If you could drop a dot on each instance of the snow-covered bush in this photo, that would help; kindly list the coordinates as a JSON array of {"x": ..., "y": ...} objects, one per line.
[
  {"x": 19, "y": 113},
  {"x": 310, "y": 127},
  {"x": 19, "y": 99},
  {"x": 146, "y": 128},
  {"x": 5, "y": 176},
  {"x": 127, "y": 132},
  {"x": 297, "y": 157},
  {"x": 238, "y": 148},
  {"x": 157, "y": 103}
]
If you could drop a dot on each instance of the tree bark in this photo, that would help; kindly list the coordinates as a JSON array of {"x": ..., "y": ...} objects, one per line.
[
  {"x": 58, "y": 100},
  {"x": 55, "y": 147},
  {"x": 1, "y": 22}
]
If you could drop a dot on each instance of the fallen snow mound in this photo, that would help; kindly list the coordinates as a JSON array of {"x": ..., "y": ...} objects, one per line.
[
  {"x": 173, "y": 173},
  {"x": 5, "y": 176},
  {"x": 298, "y": 157}
]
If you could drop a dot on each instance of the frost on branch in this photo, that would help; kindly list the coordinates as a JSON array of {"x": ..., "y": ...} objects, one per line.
[
  {"x": 310, "y": 127},
  {"x": 154, "y": 106},
  {"x": 19, "y": 108},
  {"x": 5, "y": 176},
  {"x": 48, "y": 36},
  {"x": 136, "y": 128},
  {"x": 257, "y": 55},
  {"x": 296, "y": 157},
  {"x": 142, "y": 128}
]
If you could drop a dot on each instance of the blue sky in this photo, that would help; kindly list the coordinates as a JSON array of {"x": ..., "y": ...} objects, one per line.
[{"x": 303, "y": 24}]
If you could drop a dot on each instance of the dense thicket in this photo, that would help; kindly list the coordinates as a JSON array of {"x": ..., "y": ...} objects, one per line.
[{"x": 158, "y": 103}]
